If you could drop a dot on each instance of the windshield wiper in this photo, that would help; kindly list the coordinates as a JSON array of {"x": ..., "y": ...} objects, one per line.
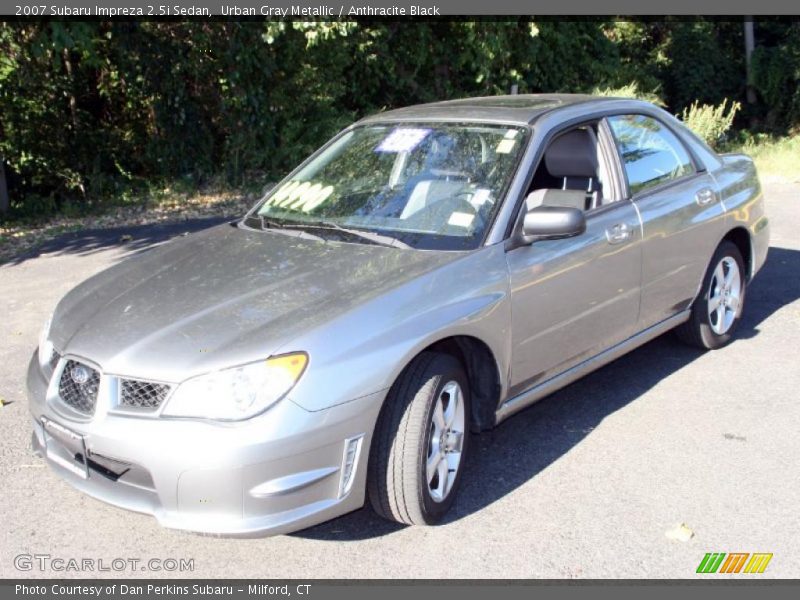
[
  {"x": 370, "y": 236},
  {"x": 286, "y": 226},
  {"x": 289, "y": 228}
]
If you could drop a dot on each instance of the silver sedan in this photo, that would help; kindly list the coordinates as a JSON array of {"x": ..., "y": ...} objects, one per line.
[{"x": 426, "y": 274}]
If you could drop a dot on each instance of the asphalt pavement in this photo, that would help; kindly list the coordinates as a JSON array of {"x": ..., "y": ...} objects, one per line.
[{"x": 587, "y": 483}]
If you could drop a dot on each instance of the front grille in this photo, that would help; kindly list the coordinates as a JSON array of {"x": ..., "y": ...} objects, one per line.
[
  {"x": 78, "y": 386},
  {"x": 142, "y": 395}
]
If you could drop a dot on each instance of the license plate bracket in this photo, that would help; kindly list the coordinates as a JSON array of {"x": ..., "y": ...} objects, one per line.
[{"x": 63, "y": 446}]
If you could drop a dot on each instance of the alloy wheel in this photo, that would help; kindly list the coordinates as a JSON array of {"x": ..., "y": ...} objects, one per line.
[
  {"x": 725, "y": 294},
  {"x": 446, "y": 439}
]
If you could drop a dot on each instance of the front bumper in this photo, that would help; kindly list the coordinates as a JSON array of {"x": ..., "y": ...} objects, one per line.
[{"x": 278, "y": 472}]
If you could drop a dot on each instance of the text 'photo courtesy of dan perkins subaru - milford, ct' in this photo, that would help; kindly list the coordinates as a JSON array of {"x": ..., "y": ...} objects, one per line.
[{"x": 153, "y": 590}]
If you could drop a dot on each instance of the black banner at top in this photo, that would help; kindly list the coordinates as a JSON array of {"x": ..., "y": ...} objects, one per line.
[{"x": 354, "y": 9}]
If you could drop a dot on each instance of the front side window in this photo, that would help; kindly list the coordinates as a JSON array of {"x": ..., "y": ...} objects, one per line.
[
  {"x": 651, "y": 153},
  {"x": 426, "y": 185}
]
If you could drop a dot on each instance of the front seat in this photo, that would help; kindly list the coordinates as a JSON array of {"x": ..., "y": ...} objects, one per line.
[{"x": 571, "y": 157}]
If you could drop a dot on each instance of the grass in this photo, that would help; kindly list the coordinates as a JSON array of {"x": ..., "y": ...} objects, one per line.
[{"x": 776, "y": 158}]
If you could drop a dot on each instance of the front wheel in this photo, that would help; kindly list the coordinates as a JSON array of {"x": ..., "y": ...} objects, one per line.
[
  {"x": 718, "y": 309},
  {"x": 420, "y": 442}
]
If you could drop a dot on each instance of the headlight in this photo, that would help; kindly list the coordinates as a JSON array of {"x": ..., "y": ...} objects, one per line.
[
  {"x": 238, "y": 393},
  {"x": 45, "y": 345}
]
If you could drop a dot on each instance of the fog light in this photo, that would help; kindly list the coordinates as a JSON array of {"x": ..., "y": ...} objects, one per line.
[{"x": 352, "y": 450}]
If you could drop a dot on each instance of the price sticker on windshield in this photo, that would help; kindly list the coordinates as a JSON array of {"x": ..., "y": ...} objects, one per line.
[
  {"x": 505, "y": 146},
  {"x": 402, "y": 139}
]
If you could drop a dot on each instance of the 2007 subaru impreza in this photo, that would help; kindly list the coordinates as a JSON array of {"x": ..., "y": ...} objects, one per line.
[{"x": 428, "y": 272}]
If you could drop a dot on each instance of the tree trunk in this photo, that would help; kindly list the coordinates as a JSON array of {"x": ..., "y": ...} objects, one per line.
[
  {"x": 5, "y": 202},
  {"x": 73, "y": 103},
  {"x": 749, "y": 45}
]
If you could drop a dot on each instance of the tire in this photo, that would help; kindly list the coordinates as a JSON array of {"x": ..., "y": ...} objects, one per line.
[
  {"x": 411, "y": 432},
  {"x": 710, "y": 328}
]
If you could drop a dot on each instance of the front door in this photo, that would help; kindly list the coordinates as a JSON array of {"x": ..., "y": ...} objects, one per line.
[{"x": 572, "y": 298}]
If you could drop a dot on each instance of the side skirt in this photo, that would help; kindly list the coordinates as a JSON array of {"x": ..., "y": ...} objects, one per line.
[{"x": 536, "y": 393}]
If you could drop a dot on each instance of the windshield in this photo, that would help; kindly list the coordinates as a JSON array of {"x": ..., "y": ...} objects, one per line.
[{"x": 427, "y": 185}]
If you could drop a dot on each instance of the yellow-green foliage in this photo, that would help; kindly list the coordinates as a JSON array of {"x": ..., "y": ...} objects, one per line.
[
  {"x": 710, "y": 122},
  {"x": 629, "y": 91},
  {"x": 775, "y": 157}
]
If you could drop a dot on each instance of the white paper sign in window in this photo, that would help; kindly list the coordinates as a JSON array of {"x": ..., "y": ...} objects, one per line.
[
  {"x": 505, "y": 146},
  {"x": 402, "y": 139},
  {"x": 460, "y": 219}
]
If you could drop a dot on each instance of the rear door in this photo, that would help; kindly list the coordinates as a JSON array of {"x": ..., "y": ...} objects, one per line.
[{"x": 679, "y": 204}]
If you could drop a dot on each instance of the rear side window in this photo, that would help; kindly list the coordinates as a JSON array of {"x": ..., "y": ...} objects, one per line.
[{"x": 651, "y": 154}]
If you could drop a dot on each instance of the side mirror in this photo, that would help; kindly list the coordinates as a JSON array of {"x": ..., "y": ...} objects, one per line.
[{"x": 552, "y": 222}]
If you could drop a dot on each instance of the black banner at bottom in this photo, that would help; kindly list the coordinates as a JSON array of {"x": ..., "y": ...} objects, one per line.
[{"x": 389, "y": 589}]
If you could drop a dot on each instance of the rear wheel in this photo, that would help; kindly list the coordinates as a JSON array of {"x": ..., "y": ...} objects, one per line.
[
  {"x": 420, "y": 442},
  {"x": 718, "y": 309}
]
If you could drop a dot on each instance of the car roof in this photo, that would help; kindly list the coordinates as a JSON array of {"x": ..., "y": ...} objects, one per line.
[{"x": 522, "y": 108}]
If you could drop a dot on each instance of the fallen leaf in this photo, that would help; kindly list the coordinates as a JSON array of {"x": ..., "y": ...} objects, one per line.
[{"x": 680, "y": 533}]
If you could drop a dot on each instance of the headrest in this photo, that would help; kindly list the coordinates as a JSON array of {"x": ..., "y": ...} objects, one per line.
[
  {"x": 440, "y": 150},
  {"x": 573, "y": 154},
  {"x": 546, "y": 197}
]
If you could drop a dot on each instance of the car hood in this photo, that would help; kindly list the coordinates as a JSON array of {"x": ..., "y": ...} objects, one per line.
[{"x": 223, "y": 297}]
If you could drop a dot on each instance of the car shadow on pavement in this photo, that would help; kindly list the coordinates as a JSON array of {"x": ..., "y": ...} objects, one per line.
[
  {"x": 520, "y": 448},
  {"x": 776, "y": 285},
  {"x": 134, "y": 239}
]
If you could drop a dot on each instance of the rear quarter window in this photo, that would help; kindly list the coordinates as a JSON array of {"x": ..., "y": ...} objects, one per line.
[{"x": 706, "y": 155}]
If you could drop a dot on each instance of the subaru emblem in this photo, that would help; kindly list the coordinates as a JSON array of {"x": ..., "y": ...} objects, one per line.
[{"x": 79, "y": 374}]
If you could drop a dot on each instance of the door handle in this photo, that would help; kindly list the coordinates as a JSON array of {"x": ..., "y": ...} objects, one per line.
[
  {"x": 705, "y": 196},
  {"x": 619, "y": 233}
]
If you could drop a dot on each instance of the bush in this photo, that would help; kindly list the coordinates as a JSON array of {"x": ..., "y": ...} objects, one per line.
[{"x": 711, "y": 123}]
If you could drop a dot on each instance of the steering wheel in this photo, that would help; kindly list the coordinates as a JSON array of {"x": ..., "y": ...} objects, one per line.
[{"x": 437, "y": 215}]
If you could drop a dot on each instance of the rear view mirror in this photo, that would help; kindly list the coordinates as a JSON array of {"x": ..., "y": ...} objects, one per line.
[{"x": 552, "y": 222}]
